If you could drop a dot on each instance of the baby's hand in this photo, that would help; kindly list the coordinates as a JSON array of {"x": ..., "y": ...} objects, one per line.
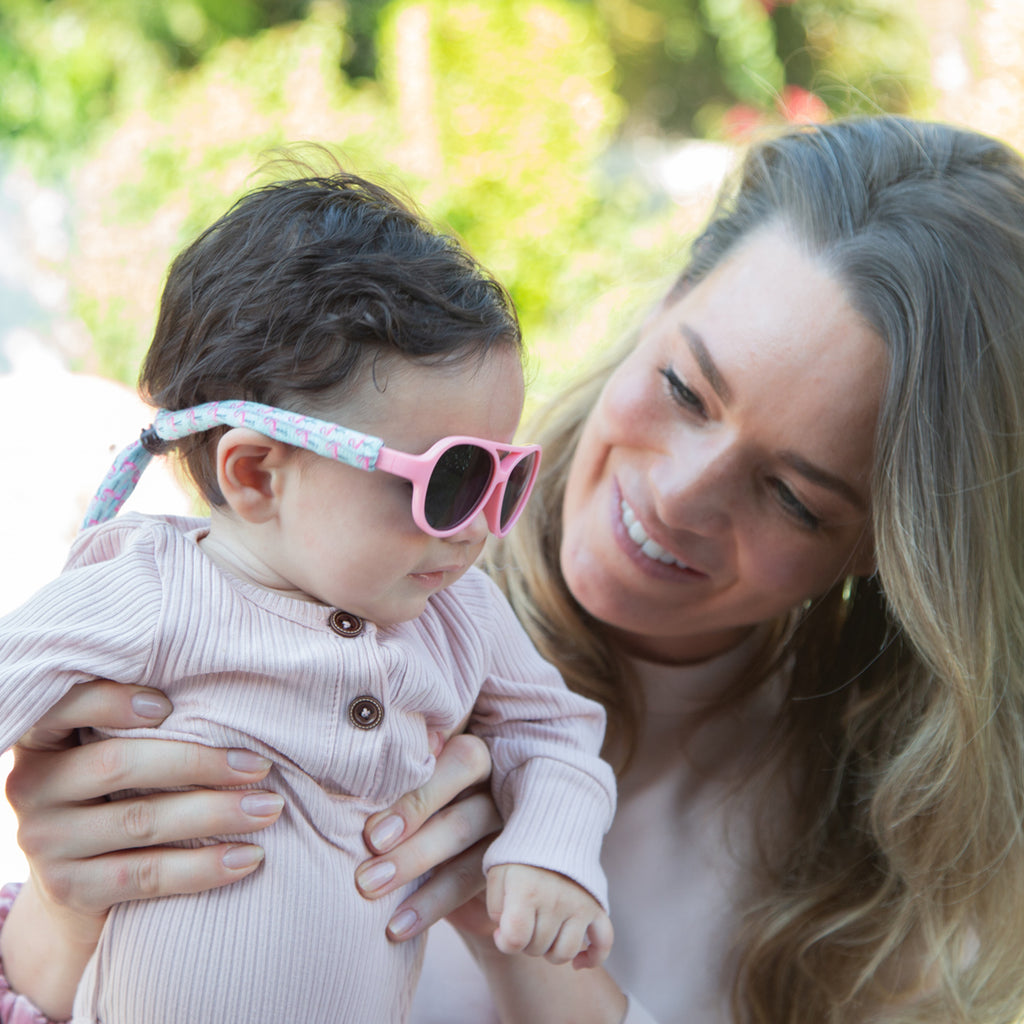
[{"x": 542, "y": 913}]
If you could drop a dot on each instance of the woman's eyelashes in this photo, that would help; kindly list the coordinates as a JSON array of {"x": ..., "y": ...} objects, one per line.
[
  {"x": 682, "y": 394},
  {"x": 794, "y": 507}
]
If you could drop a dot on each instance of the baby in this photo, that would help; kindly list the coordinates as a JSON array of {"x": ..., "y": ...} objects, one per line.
[{"x": 343, "y": 384}]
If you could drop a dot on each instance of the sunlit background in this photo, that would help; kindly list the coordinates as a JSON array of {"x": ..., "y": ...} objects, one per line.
[{"x": 574, "y": 145}]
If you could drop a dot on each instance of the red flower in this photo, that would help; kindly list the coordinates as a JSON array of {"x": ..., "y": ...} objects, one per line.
[
  {"x": 799, "y": 106},
  {"x": 741, "y": 121}
]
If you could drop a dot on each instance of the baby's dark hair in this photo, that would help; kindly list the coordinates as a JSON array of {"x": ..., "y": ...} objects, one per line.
[{"x": 300, "y": 285}]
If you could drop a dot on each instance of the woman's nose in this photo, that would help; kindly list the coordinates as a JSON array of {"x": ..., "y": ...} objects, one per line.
[{"x": 695, "y": 487}]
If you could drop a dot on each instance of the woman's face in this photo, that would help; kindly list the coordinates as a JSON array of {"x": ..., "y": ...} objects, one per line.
[{"x": 723, "y": 475}]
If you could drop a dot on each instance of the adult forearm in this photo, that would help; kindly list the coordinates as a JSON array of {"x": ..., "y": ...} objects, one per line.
[
  {"x": 529, "y": 990},
  {"x": 41, "y": 960}
]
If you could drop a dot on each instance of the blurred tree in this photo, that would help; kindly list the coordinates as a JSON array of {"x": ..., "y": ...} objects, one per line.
[
  {"x": 170, "y": 162},
  {"x": 362, "y": 23},
  {"x": 493, "y": 116},
  {"x": 684, "y": 64},
  {"x": 679, "y": 65},
  {"x": 498, "y": 115},
  {"x": 504, "y": 111},
  {"x": 67, "y": 66}
]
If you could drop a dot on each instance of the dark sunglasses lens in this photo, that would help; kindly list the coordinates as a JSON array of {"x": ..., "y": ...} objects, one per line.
[
  {"x": 515, "y": 488},
  {"x": 457, "y": 484}
]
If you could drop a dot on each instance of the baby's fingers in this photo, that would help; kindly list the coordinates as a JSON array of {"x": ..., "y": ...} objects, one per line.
[
  {"x": 599, "y": 935},
  {"x": 517, "y": 931},
  {"x": 514, "y": 917},
  {"x": 569, "y": 943}
]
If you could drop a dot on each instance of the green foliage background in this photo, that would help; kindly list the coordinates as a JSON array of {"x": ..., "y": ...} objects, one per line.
[{"x": 501, "y": 117}]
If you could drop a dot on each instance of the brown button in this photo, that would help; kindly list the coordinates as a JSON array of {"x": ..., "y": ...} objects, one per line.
[
  {"x": 366, "y": 712},
  {"x": 345, "y": 624}
]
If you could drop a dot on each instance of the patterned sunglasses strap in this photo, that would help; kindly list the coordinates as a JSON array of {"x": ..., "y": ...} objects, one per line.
[{"x": 319, "y": 436}]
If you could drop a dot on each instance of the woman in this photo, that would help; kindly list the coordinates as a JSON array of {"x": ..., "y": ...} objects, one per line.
[{"x": 778, "y": 537}]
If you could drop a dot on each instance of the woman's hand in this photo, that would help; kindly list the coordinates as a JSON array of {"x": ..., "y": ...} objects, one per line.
[
  {"x": 87, "y": 852},
  {"x": 444, "y": 826}
]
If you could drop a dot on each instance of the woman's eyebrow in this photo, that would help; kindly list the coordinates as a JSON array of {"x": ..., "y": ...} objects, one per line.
[{"x": 707, "y": 365}]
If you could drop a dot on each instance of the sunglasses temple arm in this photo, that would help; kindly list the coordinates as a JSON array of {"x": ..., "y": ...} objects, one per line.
[
  {"x": 414, "y": 468},
  {"x": 319, "y": 436}
]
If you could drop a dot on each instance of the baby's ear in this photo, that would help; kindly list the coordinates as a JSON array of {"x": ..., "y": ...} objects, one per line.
[{"x": 250, "y": 473}]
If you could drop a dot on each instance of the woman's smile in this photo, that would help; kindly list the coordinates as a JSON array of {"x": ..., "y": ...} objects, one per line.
[
  {"x": 651, "y": 548},
  {"x": 647, "y": 553}
]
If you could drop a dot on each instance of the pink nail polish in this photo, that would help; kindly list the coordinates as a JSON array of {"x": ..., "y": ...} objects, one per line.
[
  {"x": 149, "y": 705},
  {"x": 402, "y": 923},
  {"x": 376, "y": 875},
  {"x": 239, "y": 857},
  {"x": 262, "y": 805},
  {"x": 386, "y": 832},
  {"x": 247, "y": 761}
]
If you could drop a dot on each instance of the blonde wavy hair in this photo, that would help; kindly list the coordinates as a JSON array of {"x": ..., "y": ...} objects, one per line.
[{"x": 900, "y": 894}]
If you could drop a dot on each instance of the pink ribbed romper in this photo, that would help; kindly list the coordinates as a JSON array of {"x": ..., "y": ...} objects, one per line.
[{"x": 345, "y": 720}]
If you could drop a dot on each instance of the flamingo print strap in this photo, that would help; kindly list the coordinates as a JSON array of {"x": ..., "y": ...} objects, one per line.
[{"x": 320, "y": 436}]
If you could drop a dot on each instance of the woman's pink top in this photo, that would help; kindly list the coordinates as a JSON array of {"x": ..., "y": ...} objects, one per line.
[
  {"x": 343, "y": 710},
  {"x": 678, "y": 857}
]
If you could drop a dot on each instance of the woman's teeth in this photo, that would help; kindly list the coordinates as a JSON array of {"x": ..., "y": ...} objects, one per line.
[{"x": 650, "y": 548}]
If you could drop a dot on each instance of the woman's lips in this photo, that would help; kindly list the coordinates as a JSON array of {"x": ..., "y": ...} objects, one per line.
[
  {"x": 651, "y": 548},
  {"x": 648, "y": 552}
]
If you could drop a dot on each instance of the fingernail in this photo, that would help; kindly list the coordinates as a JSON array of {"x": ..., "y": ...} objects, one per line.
[
  {"x": 150, "y": 705},
  {"x": 376, "y": 875},
  {"x": 436, "y": 741},
  {"x": 247, "y": 761},
  {"x": 262, "y": 805},
  {"x": 402, "y": 923},
  {"x": 386, "y": 832},
  {"x": 239, "y": 857}
]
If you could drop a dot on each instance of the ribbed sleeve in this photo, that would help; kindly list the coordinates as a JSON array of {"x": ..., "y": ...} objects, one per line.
[
  {"x": 557, "y": 796},
  {"x": 78, "y": 627}
]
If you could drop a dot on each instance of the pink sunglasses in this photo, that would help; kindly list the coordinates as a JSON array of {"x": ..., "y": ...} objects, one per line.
[
  {"x": 451, "y": 483},
  {"x": 460, "y": 476}
]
